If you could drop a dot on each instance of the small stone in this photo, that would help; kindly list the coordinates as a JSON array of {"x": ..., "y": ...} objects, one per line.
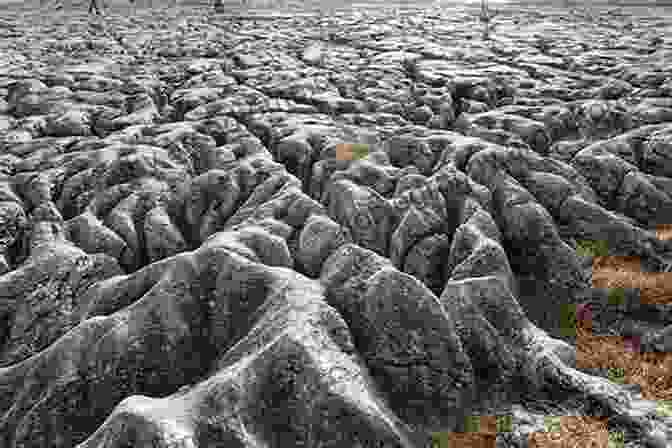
[
  {"x": 656, "y": 439},
  {"x": 391, "y": 108},
  {"x": 4, "y": 265},
  {"x": 421, "y": 114},
  {"x": 313, "y": 55},
  {"x": 633, "y": 388}
]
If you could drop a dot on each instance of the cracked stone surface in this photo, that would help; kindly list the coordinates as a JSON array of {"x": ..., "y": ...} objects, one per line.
[{"x": 188, "y": 260}]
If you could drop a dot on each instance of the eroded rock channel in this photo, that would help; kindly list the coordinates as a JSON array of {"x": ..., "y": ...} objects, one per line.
[{"x": 188, "y": 260}]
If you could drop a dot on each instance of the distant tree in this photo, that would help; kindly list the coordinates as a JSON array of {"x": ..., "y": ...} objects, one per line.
[
  {"x": 486, "y": 18},
  {"x": 93, "y": 5}
]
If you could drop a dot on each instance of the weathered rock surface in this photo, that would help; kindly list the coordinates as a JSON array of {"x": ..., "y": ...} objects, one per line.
[{"x": 186, "y": 260}]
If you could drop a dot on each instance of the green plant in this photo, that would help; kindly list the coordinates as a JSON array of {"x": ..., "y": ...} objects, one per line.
[
  {"x": 359, "y": 150},
  {"x": 616, "y": 374},
  {"x": 472, "y": 423},
  {"x": 440, "y": 439},
  {"x": 616, "y": 439},
  {"x": 616, "y": 296},
  {"x": 552, "y": 423},
  {"x": 568, "y": 317},
  {"x": 592, "y": 248},
  {"x": 504, "y": 423},
  {"x": 664, "y": 408}
]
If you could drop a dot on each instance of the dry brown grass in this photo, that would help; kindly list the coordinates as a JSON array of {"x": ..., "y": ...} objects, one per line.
[
  {"x": 625, "y": 272},
  {"x": 664, "y": 232},
  {"x": 351, "y": 151},
  {"x": 574, "y": 431},
  {"x": 471, "y": 440},
  {"x": 344, "y": 151},
  {"x": 651, "y": 371},
  {"x": 485, "y": 437}
]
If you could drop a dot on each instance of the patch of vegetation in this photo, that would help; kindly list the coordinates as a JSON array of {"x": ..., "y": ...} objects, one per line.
[
  {"x": 616, "y": 439},
  {"x": 504, "y": 423},
  {"x": 572, "y": 315},
  {"x": 592, "y": 248},
  {"x": 352, "y": 151},
  {"x": 616, "y": 296},
  {"x": 616, "y": 374},
  {"x": 359, "y": 150},
  {"x": 552, "y": 423},
  {"x": 472, "y": 423},
  {"x": 440, "y": 439},
  {"x": 625, "y": 363},
  {"x": 664, "y": 408},
  {"x": 568, "y": 430},
  {"x": 474, "y": 426}
]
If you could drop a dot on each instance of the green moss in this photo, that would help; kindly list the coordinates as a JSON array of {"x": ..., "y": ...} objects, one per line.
[
  {"x": 552, "y": 423},
  {"x": 359, "y": 150},
  {"x": 616, "y": 439},
  {"x": 664, "y": 408},
  {"x": 592, "y": 248},
  {"x": 441, "y": 439},
  {"x": 616, "y": 296},
  {"x": 504, "y": 423},
  {"x": 616, "y": 374},
  {"x": 568, "y": 319},
  {"x": 472, "y": 423}
]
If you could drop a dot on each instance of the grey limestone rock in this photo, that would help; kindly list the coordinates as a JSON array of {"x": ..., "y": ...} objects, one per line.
[{"x": 188, "y": 260}]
